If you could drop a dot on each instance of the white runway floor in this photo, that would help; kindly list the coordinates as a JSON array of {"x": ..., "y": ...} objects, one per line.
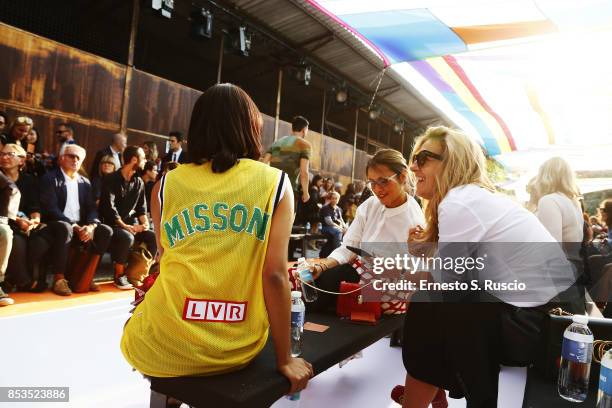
[{"x": 79, "y": 348}]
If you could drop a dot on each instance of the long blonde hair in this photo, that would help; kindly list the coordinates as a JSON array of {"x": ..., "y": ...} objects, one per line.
[
  {"x": 555, "y": 176},
  {"x": 463, "y": 162}
]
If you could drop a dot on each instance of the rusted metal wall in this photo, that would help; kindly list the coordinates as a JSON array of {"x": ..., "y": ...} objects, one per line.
[{"x": 53, "y": 83}]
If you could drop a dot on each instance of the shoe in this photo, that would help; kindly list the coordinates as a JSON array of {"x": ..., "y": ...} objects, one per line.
[
  {"x": 5, "y": 300},
  {"x": 40, "y": 287},
  {"x": 439, "y": 401},
  {"x": 122, "y": 283},
  {"x": 94, "y": 287},
  {"x": 60, "y": 287}
]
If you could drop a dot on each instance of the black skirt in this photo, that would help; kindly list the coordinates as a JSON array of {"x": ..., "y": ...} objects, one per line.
[{"x": 456, "y": 346}]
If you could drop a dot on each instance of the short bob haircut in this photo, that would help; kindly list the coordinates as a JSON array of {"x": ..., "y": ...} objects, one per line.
[{"x": 225, "y": 126}]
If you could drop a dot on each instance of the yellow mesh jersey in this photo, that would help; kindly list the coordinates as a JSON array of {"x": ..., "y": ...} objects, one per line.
[{"x": 206, "y": 314}]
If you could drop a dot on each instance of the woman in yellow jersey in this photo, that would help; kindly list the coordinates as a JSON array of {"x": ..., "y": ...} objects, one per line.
[{"x": 222, "y": 223}]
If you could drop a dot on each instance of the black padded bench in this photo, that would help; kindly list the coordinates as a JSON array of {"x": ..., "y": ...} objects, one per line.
[{"x": 259, "y": 384}]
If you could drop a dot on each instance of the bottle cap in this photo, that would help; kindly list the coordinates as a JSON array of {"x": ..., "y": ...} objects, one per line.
[
  {"x": 296, "y": 294},
  {"x": 581, "y": 319}
]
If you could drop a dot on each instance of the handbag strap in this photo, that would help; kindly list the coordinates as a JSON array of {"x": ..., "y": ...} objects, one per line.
[{"x": 332, "y": 293}]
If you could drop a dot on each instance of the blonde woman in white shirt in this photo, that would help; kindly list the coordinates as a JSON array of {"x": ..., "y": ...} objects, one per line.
[
  {"x": 385, "y": 217},
  {"x": 459, "y": 346},
  {"x": 558, "y": 208}
]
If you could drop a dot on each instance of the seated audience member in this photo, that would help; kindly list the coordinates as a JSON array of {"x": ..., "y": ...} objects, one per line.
[
  {"x": 18, "y": 131},
  {"x": 19, "y": 269},
  {"x": 384, "y": 218},
  {"x": 34, "y": 164},
  {"x": 601, "y": 264},
  {"x": 32, "y": 144},
  {"x": 151, "y": 153},
  {"x": 149, "y": 176},
  {"x": 9, "y": 205},
  {"x": 347, "y": 204},
  {"x": 225, "y": 143},
  {"x": 460, "y": 344},
  {"x": 166, "y": 167},
  {"x": 123, "y": 206},
  {"x": 3, "y": 123},
  {"x": 325, "y": 190},
  {"x": 333, "y": 225},
  {"x": 65, "y": 135},
  {"x": 115, "y": 151},
  {"x": 106, "y": 166},
  {"x": 176, "y": 152},
  {"x": 69, "y": 210}
]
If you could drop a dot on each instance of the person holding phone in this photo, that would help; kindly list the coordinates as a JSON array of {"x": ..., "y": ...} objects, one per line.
[{"x": 386, "y": 217}]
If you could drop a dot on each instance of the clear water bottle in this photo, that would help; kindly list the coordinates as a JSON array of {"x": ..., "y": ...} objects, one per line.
[
  {"x": 576, "y": 354},
  {"x": 604, "y": 395},
  {"x": 298, "y": 311},
  {"x": 303, "y": 269},
  {"x": 308, "y": 228}
]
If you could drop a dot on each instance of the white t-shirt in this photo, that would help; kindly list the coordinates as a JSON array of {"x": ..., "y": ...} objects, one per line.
[
  {"x": 516, "y": 245},
  {"x": 73, "y": 208},
  {"x": 375, "y": 223}
]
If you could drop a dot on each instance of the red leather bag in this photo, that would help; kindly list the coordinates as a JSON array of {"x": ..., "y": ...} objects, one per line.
[{"x": 350, "y": 304}]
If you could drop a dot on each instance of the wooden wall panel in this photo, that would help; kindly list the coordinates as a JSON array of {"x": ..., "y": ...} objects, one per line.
[
  {"x": 43, "y": 74},
  {"x": 159, "y": 106},
  {"x": 336, "y": 157}
]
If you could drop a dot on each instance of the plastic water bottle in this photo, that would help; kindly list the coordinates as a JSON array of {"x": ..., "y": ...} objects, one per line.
[
  {"x": 308, "y": 228},
  {"x": 298, "y": 311},
  {"x": 303, "y": 269},
  {"x": 576, "y": 354},
  {"x": 604, "y": 395}
]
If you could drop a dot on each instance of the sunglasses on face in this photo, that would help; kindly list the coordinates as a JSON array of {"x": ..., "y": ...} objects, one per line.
[
  {"x": 421, "y": 157},
  {"x": 10, "y": 154},
  {"x": 24, "y": 120},
  {"x": 381, "y": 182}
]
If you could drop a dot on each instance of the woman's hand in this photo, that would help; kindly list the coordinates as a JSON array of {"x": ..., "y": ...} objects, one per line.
[
  {"x": 415, "y": 245},
  {"x": 298, "y": 371}
]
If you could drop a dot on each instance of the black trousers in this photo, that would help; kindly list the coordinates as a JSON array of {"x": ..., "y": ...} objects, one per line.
[
  {"x": 57, "y": 237},
  {"x": 123, "y": 240},
  {"x": 18, "y": 270}
]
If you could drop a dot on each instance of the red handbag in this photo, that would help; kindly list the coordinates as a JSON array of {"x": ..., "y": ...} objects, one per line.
[{"x": 350, "y": 305}]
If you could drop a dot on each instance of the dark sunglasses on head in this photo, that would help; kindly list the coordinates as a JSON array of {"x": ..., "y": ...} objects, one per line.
[{"x": 421, "y": 157}]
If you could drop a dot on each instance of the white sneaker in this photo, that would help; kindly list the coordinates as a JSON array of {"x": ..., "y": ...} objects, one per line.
[
  {"x": 5, "y": 300},
  {"x": 122, "y": 283}
]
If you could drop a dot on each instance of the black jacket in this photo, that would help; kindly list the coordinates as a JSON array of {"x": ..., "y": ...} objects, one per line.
[{"x": 53, "y": 198}]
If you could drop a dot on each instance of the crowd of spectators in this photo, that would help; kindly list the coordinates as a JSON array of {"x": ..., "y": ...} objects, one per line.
[{"x": 57, "y": 220}]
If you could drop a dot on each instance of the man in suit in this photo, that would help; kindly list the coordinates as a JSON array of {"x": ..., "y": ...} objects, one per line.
[
  {"x": 115, "y": 150},
  {"x": 176, "y": 153},
  {"x": 69, "y": 210}
]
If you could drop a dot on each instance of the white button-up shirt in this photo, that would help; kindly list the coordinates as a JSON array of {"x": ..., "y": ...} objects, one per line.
[
  {"x": 175, "y": 155},
  {"x": 116, "y": 158},
  {"x": 375, "y": 223},
  {"x": 72, "y": 211}
]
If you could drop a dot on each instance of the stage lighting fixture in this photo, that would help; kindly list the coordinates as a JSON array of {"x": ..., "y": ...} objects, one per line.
[
  {"x": 398, "y": 127},
  {"x": 239, "y": 41},
  {"x": 374, "y": 113},
  {"x": 201, "y": 23},
  {"x": 307, "y": 75},
  {"x": 165, "y": 7},
  {"x": 342, "y": 94}
]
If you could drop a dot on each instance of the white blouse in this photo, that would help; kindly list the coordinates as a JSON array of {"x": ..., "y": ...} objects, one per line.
[
  {"x": 375, "y": 223},
  {"x": 561, "y": 216},
  {"x": 516, "y": 244}
]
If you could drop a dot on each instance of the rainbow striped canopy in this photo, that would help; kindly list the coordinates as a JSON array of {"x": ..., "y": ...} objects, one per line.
[{"x": 519, "y": 74}]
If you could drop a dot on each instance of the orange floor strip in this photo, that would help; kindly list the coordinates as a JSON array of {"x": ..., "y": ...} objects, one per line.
[{"x": 26, "y": 303}]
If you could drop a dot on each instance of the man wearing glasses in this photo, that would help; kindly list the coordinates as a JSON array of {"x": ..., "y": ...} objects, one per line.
[
  {"x": 65, "y": 135},
  {"x": 69, "y": 209}
]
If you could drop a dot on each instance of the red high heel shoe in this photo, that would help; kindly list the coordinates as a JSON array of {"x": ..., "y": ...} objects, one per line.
[{"x": 439, "y": 401}]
